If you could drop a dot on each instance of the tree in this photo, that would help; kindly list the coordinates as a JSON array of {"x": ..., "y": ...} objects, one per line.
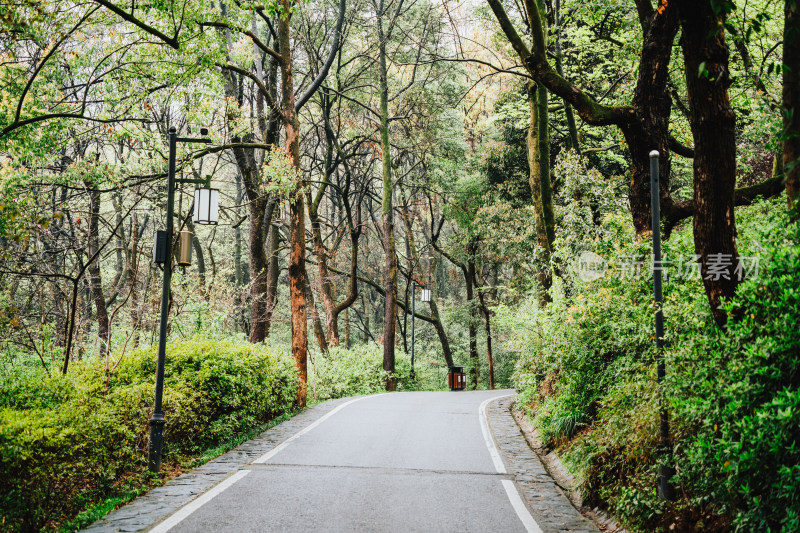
[{"x": 791, "y": 100}]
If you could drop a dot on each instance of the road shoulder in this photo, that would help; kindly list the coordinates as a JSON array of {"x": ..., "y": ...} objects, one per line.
[{"x": 550, "y": 506}]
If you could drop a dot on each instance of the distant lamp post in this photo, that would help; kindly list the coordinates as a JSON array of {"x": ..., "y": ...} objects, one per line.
[
  {"x": 426, "y": 297},
  {"x": 163, "y": 250}
]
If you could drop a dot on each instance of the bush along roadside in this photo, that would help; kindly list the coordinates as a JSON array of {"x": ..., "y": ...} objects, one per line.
[
  {"x": 587, "y": 378},
  {"x": 68, "y": 443},
  {"x": 359, "y": 370}
]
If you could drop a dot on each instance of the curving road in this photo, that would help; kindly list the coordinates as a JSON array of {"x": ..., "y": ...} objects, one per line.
[{"x": 414, "y": 461}]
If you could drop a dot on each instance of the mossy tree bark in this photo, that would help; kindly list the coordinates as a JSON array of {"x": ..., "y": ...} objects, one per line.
[{"x": 541, "y": 189}]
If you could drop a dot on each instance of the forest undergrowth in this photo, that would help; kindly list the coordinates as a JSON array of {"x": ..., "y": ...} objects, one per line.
[{"x": 587, "y": 378}]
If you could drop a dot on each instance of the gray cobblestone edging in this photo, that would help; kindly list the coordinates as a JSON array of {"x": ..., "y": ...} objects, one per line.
[
  {"x": 550, "y": 506},
  {"x": 146, "y": 510}
]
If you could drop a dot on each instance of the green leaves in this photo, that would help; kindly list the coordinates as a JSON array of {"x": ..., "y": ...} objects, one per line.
[{"x": 70, "y": 432}]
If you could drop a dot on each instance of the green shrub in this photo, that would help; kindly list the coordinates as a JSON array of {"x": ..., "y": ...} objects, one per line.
[
  {"x": 58, "y": 456},
  {"x": 737, "y": 399},
  {"x": 587, "y": 376},
  {"x": 359, "y": 370}
]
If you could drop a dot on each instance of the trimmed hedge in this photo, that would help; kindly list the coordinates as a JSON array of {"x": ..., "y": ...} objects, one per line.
[{"x": 68, "y": 441}]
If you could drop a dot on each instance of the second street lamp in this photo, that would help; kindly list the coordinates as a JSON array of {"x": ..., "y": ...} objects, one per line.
[
  {"x": 157, "y": 420},
  {"x": 426, "y": 297}
]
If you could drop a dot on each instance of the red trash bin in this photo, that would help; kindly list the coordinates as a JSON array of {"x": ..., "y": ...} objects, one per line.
[{"x": 456, "y": 379}]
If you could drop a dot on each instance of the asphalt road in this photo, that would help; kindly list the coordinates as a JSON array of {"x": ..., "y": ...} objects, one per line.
[{"x": 414, "y": 461}]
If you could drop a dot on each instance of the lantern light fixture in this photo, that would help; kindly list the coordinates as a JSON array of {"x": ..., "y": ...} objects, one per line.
[
  {"x": 206, "y": 206},
  {"x": 426, "y": 294}
]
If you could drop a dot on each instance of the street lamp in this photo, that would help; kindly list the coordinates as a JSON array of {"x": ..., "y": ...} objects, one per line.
[
  {"x": 664, "y": 449},
  {"x": 426, "y": 297},
  {"x": 157, "y": 419}
]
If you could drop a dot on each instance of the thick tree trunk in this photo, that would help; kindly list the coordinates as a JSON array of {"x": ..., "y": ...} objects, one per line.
[
  {"x": 487, "y": 318},
  {"x": 390, "y": 265},
  {"x": 539, "y": 165},
  {"x": 297, "y": 228},
  {"x": 95, "y": 278},
  {"x": 259, "y": 323},
  {"x": 346, "y": 314},
  {"x": 237, "y": 246},
  {"x": 257, "y": 204},
  {"x": 791, "y": 100},
  {"x": 652, "y": 106},
  {"x": 713, "y": 126}
]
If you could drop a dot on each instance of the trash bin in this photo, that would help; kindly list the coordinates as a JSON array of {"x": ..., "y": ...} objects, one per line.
[{"x": 456, "y": 379}]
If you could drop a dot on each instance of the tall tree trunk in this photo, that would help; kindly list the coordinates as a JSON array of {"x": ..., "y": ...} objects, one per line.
[
  {"x": 791, "y": 100},
  {"x": 257, "y": 202},
  {"x": 237, "y": 247},
  {"x": 95, "y": 278},
  {"x": 713, "y": 125},
  {"x": 472, "y": 326},
  {"x": 297, "y": 211},
  {"x": 487, "y": 323},
  {"x": 539, "y": 165},
  {"x": 319, "y": 331},
  {"x": 133, "y": 275},
  {"x": 390, "y": 265},
  {"x": 652, "y": 106},
  {"x": 346, "y": 314}
]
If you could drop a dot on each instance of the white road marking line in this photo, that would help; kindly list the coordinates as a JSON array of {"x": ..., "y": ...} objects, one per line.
[
  {"x": 487, "y": 436},
  {"x": 198, "y": 502},
  {"x": 511, "y": 490},
  {"x": 277, "y": 449},
  {"x": 519, "y": 506}
]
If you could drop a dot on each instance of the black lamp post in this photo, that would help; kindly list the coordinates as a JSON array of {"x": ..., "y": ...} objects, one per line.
[
  {"x": 664, "y": 450},
  {"x": 157, "y": 420}
]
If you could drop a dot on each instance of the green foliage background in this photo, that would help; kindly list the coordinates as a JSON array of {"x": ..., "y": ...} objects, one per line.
[{"x": 587, "y": 378}]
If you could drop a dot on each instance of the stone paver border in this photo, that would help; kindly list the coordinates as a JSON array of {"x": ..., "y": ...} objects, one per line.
[{"x": 550, "y": 506}]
